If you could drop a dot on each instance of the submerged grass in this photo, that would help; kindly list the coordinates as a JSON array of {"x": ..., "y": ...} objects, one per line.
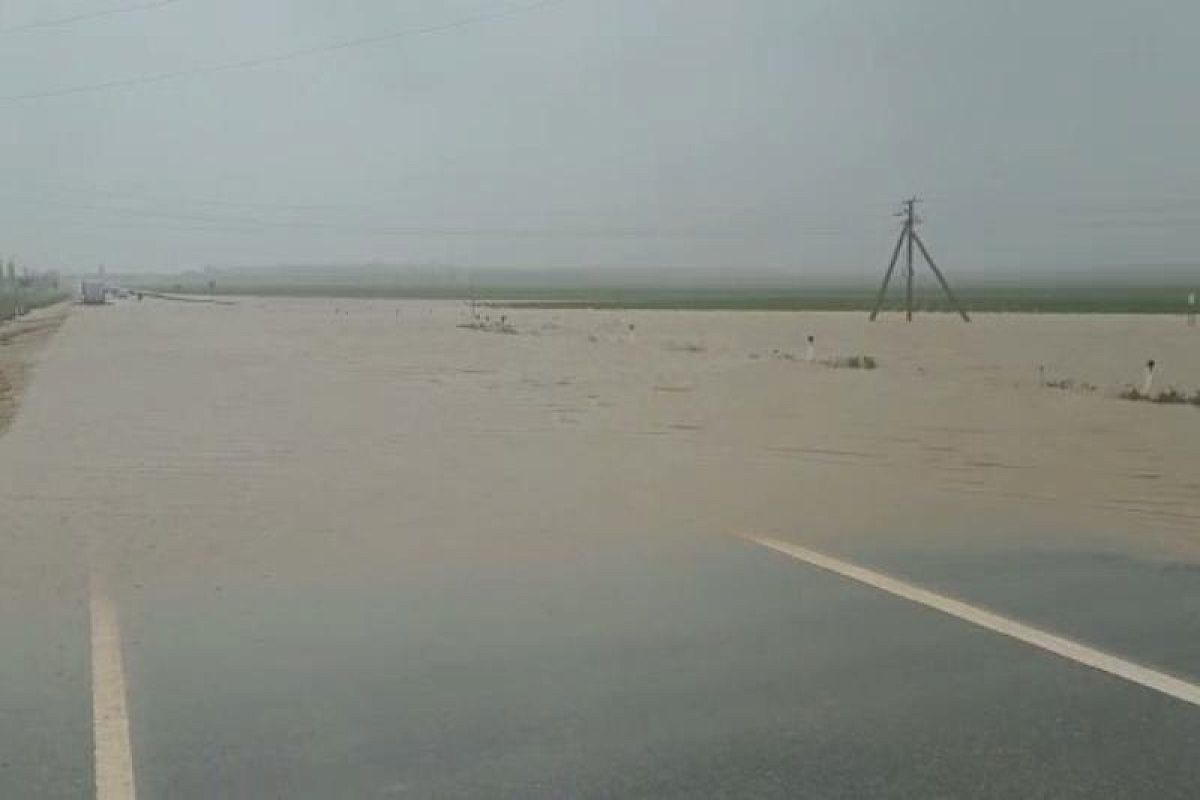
[
  {"x": 1171, "y": 396},
  {"x": 851, "y": 362},
  {"x": 1068, "y": 385}
]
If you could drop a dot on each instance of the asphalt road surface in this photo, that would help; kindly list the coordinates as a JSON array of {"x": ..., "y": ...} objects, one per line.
[{"x": 646, "y": 667}]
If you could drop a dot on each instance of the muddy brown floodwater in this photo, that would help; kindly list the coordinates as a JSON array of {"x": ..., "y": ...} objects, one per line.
[{"x": 351, "y": 544}]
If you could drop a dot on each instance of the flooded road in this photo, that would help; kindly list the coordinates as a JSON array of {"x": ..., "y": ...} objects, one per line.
[{"x": 350, "y": 549}]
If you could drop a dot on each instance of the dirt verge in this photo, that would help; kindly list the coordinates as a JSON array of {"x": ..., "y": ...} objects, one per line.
[{"x": 20, "y": 342}]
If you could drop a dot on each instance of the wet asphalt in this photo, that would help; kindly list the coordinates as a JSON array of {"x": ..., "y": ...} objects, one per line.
[{"x": 636, "y": 666}]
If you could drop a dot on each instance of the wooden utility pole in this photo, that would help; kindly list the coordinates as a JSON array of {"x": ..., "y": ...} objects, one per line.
[{"x": 908, "y": 236}]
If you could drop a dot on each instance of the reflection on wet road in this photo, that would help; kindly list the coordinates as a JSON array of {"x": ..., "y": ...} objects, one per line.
[{"x": 629, "y": 668}]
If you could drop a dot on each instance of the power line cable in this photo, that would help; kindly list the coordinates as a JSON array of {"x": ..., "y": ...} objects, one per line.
[
  {"x": 345, "y": 44},
  {"x": 87, "y": 15}
]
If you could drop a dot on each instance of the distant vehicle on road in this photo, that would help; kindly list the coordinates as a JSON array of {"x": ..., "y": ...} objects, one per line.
[{"x": 92, "y": 293}]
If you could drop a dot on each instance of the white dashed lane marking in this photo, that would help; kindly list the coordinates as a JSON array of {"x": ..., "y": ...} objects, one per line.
[{"x": 113, "y": 754}]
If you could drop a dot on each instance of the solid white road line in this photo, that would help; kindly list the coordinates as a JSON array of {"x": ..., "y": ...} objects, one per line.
[
  {"x": 113, "y": 754},
  {"x": 1066, "y": 648}
]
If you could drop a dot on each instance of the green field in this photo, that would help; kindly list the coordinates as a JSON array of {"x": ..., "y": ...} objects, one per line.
[
  {"x": 1043, "y": 300},
  {"x": 563, "y": 293}
]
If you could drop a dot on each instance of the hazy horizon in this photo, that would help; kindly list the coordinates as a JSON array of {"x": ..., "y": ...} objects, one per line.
[
  {"x": 390, "y": 277},
  {"x": 766, "y": 136}
]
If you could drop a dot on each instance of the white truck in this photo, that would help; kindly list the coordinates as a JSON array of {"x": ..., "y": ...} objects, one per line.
[{"x": 92, "y": 293}]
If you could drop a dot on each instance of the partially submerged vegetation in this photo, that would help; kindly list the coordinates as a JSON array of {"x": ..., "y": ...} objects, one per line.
[
  {"x": 850, "y": 362},
  {"x": 685, "y": 347},
  {"x": 1171, "y": 396},
  {"x": 1069, "y": 385},
  {"x": 484, "y": 323}
]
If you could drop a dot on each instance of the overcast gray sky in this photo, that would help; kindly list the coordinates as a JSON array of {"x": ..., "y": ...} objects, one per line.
[{"x": 664, "y": 133}]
